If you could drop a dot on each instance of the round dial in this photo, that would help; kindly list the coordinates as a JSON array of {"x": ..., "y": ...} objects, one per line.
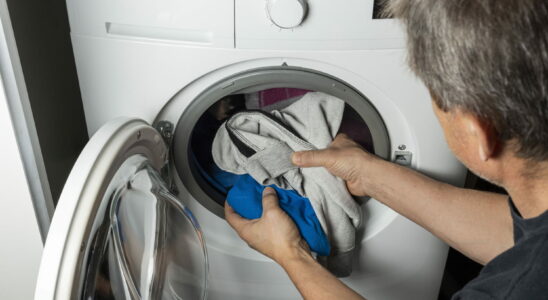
[{"x": 286, "y": 13}]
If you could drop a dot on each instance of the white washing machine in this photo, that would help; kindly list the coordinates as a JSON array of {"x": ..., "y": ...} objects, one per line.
[{"x": 118, "y": 232}]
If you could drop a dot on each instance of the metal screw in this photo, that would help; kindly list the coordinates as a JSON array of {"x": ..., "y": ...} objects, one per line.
[{"x": 402, "y": 147}]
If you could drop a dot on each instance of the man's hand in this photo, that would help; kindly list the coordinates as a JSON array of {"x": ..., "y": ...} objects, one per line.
[
  {"x": 457, "y": 216},
  {"x": 274, "y": 234},
  {"x": 343, "y": 158}
]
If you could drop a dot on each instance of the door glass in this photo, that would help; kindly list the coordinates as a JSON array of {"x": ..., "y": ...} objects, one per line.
[{"x": 153, "y": 247}]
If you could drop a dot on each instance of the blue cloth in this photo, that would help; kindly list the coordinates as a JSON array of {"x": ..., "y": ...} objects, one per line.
[
  {"x": 222, "y": 180},
  {"x": 245, "y": 197}
]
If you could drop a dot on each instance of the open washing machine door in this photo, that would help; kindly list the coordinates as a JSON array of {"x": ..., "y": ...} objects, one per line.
[{"x": 118, "y": 232}]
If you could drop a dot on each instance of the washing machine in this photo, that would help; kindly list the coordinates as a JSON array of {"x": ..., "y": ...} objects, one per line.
[{"x": 138, "y": 217}]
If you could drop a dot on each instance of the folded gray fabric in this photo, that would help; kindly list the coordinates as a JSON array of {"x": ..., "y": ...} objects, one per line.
[{"x": 261, "y": 144}]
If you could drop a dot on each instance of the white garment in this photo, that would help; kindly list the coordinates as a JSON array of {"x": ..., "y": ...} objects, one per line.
[{"x": 261, "y": 144}]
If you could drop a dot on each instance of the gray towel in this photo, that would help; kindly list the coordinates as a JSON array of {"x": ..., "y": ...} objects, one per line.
[{"x": 261, "y": 144}]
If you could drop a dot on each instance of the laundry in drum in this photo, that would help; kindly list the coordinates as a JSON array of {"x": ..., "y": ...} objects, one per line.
[
  {"x": 260, "y": 144},
  {"x": 202, "y": 141}
]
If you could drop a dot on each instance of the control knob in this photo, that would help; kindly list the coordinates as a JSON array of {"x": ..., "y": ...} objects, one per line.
[{"x": 286, "y": 14}]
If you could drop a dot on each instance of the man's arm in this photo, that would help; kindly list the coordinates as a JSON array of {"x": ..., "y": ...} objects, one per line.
[
  {"x": 276, "y": 236},
  {"x": 313, "y": 281},
  {"x": 476, "y": 223}
]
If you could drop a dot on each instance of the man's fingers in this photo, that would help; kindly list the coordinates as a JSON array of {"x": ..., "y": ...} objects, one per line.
[
  {"x": 313, "y": 158},
  {"x": 341, "y": 136},
  {"x": 342, "y": 141},
  {"x": 270, "y": 199},
  {"x": 233, "y": 218},
  {"x": 322, "y": 158}
]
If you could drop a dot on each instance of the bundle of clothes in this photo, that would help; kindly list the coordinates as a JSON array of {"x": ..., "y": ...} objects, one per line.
[{"x": 255, "y": 137}]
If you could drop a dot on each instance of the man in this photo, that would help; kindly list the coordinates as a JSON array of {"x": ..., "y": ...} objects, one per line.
[{"x": 485, "y": 63}]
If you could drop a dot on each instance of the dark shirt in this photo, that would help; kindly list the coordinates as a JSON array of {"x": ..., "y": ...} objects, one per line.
[{"x": 521, "y": 272}]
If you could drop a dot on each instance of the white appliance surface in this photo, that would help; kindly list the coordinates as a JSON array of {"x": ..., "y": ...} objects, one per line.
[
  {"x": 151, "y": 59},
  {"x": 19, "y": 233}
]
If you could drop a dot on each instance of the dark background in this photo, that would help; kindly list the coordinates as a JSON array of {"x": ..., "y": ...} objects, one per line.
[{"x": 42, "y": 35}]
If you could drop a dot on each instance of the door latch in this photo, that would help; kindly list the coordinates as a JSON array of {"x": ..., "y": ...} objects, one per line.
[{"x": 403, "y": 158}]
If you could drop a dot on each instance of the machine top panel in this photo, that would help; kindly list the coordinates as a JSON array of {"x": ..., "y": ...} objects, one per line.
[{"x": 243, "y": 24}]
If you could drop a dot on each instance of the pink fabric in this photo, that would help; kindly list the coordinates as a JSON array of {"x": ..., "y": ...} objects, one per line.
[{"x": 272, "y": 96}]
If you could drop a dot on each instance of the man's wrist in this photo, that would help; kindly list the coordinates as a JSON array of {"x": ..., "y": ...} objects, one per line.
[
  {"x": 296, "y": 254},
  {"x": 369, "y": 166}
]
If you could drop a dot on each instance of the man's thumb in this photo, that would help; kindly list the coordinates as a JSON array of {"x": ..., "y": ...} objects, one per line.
[
  {"x": 270, "y": 199},
  {"x": 313, "y": 158}
]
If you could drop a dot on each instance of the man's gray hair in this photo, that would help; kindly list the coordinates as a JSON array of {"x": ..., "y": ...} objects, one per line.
[{"x": 488, "y": 57}]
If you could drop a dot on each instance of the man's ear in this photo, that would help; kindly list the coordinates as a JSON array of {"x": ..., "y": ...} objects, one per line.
[{"x": 484, "y": 135}]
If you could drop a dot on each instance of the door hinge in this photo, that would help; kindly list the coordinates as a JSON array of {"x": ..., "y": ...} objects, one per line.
[{"x": 165, "y": 128}]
